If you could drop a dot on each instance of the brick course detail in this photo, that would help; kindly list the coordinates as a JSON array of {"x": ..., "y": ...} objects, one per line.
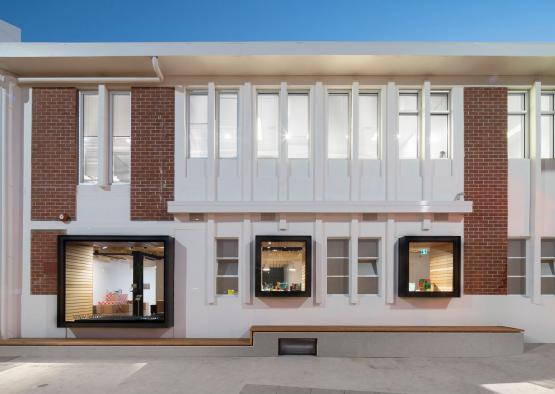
[
  {"x": 44, "y": 261},
  {"x": 152, "y": 152},
  {"x": 54, "y": 163},
  {"x": 485, "y": 184}
]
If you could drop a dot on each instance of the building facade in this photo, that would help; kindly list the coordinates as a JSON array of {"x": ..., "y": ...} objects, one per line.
[{"x": 211, "y": 152}]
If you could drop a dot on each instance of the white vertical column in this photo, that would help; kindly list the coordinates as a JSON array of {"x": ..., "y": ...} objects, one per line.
[
  {"x": 425, "y": 160},
  {"x": 353, "y": 263},
  {"x": 210, "y": 260},
  {"x": 246, "y": 105},
  {"x": 283, "y": 170},
  {"x": 320, "y": 262},
  {"x": 104, "y": 143},
  {"x": 211, "y": 171},
  {"x": 355, "y": 167},
  {"x": 245, "y": 243},
  {"x": 391, "y": 141},
  {"x": 457, "y": 135},
  {"x": 533, "y": 266},
  {"x": 319, "y": 141},
  {"x": 389, "y": 268},
  {"x": 179, "y": 151}
]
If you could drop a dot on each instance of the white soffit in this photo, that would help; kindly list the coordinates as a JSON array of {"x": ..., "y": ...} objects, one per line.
[{"x": 278, "y": 58}]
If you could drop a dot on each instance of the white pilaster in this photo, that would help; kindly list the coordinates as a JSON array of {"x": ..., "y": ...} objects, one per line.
[
  {"x": 533, "y": 265},
  {"x": 246, "y": 105},
  {"x": 211, "y": 173},
  {"x": 389, "y": 260},
  {"x": 245, "y": 261},
  {"x": 425, "y": 159},
  {"x": 283, "y": 172},
  {"x": 391, "y": 141},
  {"x": 353, "y": 263},
  {"x": 180, "y": 161},
  {"x": 320, "y": 264},
  {"x": 457, "y": 135},
  {"x": 210, "y": 260},
  {"x": 355, "y": 167},
  {"x": 319, "y": 141},
  {"x": 104, "y": 143}
]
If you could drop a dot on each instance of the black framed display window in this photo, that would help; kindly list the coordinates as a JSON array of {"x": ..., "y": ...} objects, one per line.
[
  {"x": 283, "y": 266},
  {"x": 115, "y": 281},
  {"x": 429, "y": 266}
]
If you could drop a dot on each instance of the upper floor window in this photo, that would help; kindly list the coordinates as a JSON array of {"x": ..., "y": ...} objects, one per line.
[
  {"x": 409, "y": 119},
  {"x": 298, "y": 125},
  {"x": 227, "y": 119},
  {"x": 197, "y": 125},
  {"x": 120, "y": 115},
  {"x": 88, "y": 137},
  {"x": 368, "y": 125},
  {"x": 339, "y": 125},
  {"x": 267, "y": 125},
  {"x": 439, "y": 125},
  {"x": 516, "y": 125},
  {"x": 547, "y": 125}
]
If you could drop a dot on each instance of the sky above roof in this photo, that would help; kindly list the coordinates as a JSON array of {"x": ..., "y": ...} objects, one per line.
[{"x": 281, "y": 20}]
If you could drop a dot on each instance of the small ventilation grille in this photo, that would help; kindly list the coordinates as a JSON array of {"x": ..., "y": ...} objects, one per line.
[
  {"x": 268, "y": 217},
  {"x": 441, "y": 217},
  {"x": 369, "y": 217}
]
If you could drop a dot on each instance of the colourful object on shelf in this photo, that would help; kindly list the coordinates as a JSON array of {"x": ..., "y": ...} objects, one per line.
[{"x": 230, "y": 292}]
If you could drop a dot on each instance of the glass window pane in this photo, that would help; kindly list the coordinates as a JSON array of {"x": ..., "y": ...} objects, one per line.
[
  {"x": 90, "y": 159},
  {"x": 439, "y": 102},
  {"x": 227, "y": 248},
  {"x": 298, "y": 126},
  {"x": 548, "y": 248},
  {"x": 338, "y": 285},
  {"x": 547, "y": 102},
  {"x": 338, "y": 267},
  {"x": 516, "y": 285},
  {"x": 198, "y": 125},
  {"x": 90, "y": 114},
  {"x": 431, "y": 266},
  {"x": 227, "y": 122},
  {"x": 367, "y": 285},
  {"x": 228, "y": 267},
  {"x": 516, "y": 102},
  {"x": 515, "y": 136},
  {"x": 367, "y": 247},
  {"x": 368, "y": 126},
  {"x": 122, "y": 159},
  {"x": 408, "y": 136},
  {"x": 121, "y": 137},
  {"x": 439, "y": 136},
  {"x": 268, "y": 125},
  {"x": 516, "y": 267},
  {"x": 367, "y": 268},
  {"x": 516, "y": 248},
  {"x": 283, "y": 266},
  {"x": 227, "y": 286},
  {"x": 338, "y": 126},
  {"x": 338, "y": 248},
  {"x": 547, "y": 136},
  {"x": 121, "y": 114},
  {"x": 408, "y": 102},
  {"x": 548, "y": 286}
]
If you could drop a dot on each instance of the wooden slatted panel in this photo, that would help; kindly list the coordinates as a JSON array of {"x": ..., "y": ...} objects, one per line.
[
  {"x": 441, "y": 266},
  {"x": 79, "y": 281}
]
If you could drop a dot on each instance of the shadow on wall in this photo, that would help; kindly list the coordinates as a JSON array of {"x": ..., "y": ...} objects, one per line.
[{"x": 119, "y": 333}]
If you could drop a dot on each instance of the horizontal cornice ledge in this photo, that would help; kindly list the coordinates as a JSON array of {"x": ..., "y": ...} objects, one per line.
[{"x": 177, "y": 207}]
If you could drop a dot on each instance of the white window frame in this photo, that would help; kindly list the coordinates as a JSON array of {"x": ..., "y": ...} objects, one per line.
[
  {"x": 524, "y": 258},
  {"x": 369, "y": 259},
  {"x": 369, "y": 92},
  {"x": 223, "y": 258},
  {"x": 82, "y": 181},
  {"x": 349, "y": 93},
  {"x": 217, "y": 113},
  {"x": 524, "y": 152},
  {"x": 189, "y": 93},
  {"x": 549, "y": 113},
  {"x": 449, "y": 126},
  {"x": 349, "y": 262},
  {"x": 418, "y": 113},
  {"x": 112, "y": 93}
]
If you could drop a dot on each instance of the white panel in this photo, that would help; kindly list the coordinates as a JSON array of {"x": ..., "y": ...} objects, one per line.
[
  {"x": 409, "y": 182},
  {"x": 372, "y": 186},
  {"x": 389, "y": 261},
  {"x": 320, "y": 262},
  {"x": 266, "y": 180},
  {"x": 229, "y": 180},
  {"x": 300, "y": 180},
  {"x": 337, "y": 180},
  {"x": 519, "y": 198},
  {"x": 353, "y": 263},
  {"x": 210, "y": 262},
  {"x": 245, "y": 243}
]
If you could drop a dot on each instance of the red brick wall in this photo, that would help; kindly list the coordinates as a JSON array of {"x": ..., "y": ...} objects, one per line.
[
  {"x": 485, "y": 184},
  {"x": 44, "y": 261},
  {"x": 54, "y": 153},
  {"x": 152, "y": 152}
]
